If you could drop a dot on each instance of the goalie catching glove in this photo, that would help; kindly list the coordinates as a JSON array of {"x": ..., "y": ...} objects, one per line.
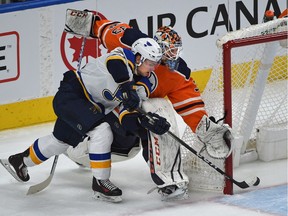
[
  {"x": 216, "y": 138},
  {"x": 154, "y": 123}
]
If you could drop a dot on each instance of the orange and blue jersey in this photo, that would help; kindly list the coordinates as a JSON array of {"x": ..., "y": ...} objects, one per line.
[{"x": 116, "y": 34}]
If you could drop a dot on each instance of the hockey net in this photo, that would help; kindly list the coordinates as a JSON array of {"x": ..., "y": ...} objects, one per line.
[{"x": 249, "y": 84}]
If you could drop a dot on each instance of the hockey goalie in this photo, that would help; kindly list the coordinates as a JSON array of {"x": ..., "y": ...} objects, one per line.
[{"x": 161, "y": 152}]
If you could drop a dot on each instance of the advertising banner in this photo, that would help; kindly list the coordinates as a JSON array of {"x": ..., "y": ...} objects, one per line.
[{"x": 35, "y": 52}]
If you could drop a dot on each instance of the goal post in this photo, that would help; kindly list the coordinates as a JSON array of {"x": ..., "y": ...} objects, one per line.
[{"x": 248, "y": 85}]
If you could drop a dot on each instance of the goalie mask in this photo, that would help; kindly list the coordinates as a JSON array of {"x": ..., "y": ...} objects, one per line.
[{"x": 171, "y": 45}]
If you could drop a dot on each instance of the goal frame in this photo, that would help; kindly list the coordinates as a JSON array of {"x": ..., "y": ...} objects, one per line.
[{"x": 227, "y": 85}]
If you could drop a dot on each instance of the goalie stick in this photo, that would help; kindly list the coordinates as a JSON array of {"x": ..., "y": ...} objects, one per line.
[
  {"x": 244, "y": 184},
  {"x": 42, "y": 185}
]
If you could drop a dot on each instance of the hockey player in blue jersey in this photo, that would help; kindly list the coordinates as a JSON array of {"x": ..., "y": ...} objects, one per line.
[{"x": 81, "y": 104}]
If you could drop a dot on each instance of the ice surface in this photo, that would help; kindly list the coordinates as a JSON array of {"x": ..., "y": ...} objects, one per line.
[{"x": 70, "y": 191}]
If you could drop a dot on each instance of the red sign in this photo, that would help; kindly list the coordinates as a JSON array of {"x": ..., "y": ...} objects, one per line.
[{"x": 9, "y": 56}]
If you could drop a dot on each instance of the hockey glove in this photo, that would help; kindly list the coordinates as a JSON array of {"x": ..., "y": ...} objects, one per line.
[
  {"x": 216, "y": 138},
  {"x": 154, "y": 123},
  {"x": 130, "y": 98}
]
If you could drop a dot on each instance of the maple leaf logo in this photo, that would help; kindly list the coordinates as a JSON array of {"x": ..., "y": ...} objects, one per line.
[
  {"x": 92, "y": 48},
  {"x": 89, "y": 49}
]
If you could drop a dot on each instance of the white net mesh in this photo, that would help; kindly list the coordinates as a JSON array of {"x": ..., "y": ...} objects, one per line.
[
  {"x": 201, "y": 175},
  {"x": 259, "y": 83},
  {"x": 259, "y": 95}
]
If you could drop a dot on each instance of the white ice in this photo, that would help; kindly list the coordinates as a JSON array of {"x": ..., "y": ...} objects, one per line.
[{"x": 70, "y": 191}]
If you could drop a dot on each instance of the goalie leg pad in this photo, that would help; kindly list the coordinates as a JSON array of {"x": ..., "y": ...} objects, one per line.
[
  {"x": 165, "y": 162},
  {"x": 79, "y": 154},
  {"x": 164, "y": 152}
]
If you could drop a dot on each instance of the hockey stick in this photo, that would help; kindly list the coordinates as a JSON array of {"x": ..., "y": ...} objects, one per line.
[
  {"x": 244, "y": 184},
  {"x": 42, "y": 185},
  {"x": 81, "y": 53}
]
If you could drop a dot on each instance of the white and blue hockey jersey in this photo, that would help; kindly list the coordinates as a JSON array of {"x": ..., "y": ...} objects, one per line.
[{"x": 102, "y": 85}]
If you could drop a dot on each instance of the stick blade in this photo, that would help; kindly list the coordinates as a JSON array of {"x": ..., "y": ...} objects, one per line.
[
  {"x": 254, "y": 181},
  {"x": 257, "y": 182},
  {"x": 39, "y": 187},
  {"x": 42, "y": 185}
]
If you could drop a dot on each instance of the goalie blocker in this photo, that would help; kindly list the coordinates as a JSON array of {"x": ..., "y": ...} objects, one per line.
[{"x": 80, "y": 22}]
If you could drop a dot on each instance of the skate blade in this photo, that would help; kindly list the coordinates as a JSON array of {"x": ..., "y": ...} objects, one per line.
[
  {"x": 8, "y": 167},
  {"x": 102, "y": 197}
]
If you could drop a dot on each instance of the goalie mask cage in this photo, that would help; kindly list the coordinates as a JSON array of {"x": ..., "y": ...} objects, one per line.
[{"x": 249, "y": 85}]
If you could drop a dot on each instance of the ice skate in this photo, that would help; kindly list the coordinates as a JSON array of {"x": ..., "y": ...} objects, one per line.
[
  {"x": 20, "y": 168},
  {"x": 16, "y": 167},
  {"x": 105, "y": 190},
  {"x": 173, "y": 192}
]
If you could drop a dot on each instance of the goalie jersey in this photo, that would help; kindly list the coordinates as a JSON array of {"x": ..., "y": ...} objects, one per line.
[{"x": 177, "y": 85}]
